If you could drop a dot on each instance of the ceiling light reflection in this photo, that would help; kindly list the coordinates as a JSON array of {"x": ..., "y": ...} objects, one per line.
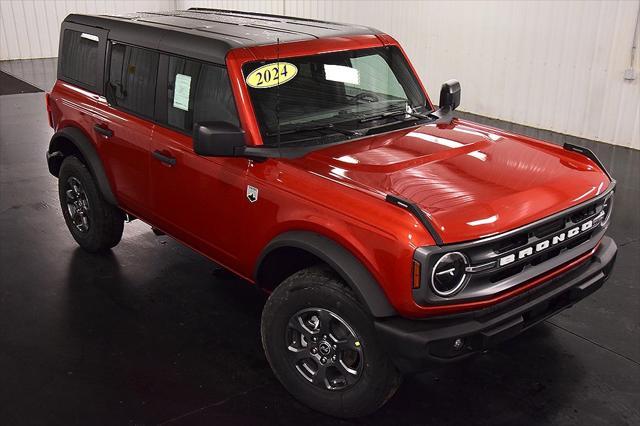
[{"x": 485, "y": 221}]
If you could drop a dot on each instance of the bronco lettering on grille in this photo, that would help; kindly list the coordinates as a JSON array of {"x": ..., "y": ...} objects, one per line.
[{"x": 553, "y": 241}]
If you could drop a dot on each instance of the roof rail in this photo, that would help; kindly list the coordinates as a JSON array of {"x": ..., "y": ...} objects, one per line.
[{"x": 266, "y": 15}]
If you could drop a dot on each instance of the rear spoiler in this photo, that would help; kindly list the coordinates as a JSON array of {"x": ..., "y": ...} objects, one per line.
[{"x": 589, "y": 154}]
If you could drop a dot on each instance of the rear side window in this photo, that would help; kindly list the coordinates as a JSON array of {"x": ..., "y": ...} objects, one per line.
[
  {"x": 132, "y": 78},
  {"x": 79, "y": 57},
  {"x": 198, "y": 92}
]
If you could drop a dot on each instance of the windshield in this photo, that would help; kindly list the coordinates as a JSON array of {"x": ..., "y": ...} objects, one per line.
[{"x": 333, "y": 96}]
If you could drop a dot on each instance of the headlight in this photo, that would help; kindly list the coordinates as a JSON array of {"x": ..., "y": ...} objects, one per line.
[
  {"x": 449, "y": 275},
  {"x": 607, "y": 208}
]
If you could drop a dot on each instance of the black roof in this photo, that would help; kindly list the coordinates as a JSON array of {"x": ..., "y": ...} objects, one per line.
[{"x": 208, "y": 34}]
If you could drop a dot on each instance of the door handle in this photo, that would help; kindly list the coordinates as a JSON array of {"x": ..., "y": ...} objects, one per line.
[
  {"x": 103, "y": 130},
  {"x": 164, "y": 158}
]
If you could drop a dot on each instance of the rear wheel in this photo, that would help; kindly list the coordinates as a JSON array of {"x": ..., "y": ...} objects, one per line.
[
  {"x": 321, "y": 344},
  {"x": 95, "y": 224}
]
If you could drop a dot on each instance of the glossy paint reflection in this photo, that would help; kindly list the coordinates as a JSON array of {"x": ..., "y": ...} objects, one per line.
[{"x": 474, "y": 181}]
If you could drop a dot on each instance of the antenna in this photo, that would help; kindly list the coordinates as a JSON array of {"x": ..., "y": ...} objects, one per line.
[{"x": 278, "y": 93}]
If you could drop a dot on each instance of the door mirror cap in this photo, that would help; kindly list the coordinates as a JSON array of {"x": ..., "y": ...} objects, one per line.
[
  {"x": 450, "y": 95},
  {"x": 218, "y": 139}
]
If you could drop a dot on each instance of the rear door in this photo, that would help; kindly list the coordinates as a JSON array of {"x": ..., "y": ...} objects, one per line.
[
  {"x": 126, "y": 122},
  {"x": 200, "y": 200}
]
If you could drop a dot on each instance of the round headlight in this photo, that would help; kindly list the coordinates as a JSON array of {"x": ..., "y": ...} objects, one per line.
[
  {"x": 448, "y": 275},
  {"x": 607, "y": 208}
]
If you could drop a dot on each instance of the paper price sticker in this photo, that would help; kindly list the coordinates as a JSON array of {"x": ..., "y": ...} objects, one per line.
[{"x": 181, "y": 92}]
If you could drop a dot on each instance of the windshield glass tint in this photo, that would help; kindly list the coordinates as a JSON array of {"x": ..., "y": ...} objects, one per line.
[{"x": 342, "y": 87}]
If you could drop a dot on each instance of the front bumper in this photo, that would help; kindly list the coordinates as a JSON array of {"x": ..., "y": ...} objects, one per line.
[{"x": 414, "y": 344}]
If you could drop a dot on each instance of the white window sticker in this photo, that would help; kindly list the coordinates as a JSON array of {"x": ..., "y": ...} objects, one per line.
[
  {"x": 342, "y": 74},
  {"x": 181, "y": 90}
]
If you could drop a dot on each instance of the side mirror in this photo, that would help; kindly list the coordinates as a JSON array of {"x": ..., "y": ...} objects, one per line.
[
  {"x": 218, "y": 139},
  {"x": 450, "y": 95}
]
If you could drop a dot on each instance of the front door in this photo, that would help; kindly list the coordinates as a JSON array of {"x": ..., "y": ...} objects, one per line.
[{"x": 199, "y": 200}]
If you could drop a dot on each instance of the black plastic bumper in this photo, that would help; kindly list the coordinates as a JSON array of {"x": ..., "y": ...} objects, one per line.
[{"x": 414, "y": 344}]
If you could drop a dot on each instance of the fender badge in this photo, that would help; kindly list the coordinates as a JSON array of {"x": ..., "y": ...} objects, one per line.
[{"x": 252, "y": 194}]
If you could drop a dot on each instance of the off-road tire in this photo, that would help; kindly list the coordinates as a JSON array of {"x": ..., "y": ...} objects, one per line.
[
  {"x": 105, "y": 221},
  {"x": 313, "y": 288}
]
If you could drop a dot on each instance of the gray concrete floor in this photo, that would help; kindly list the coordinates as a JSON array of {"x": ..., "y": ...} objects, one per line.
[
  {"x": 40, "y": 73},
  {"x": 154, "y": 334}
]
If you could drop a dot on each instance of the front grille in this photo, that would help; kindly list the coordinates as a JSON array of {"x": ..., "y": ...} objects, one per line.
[
  {"x": 539, "y": 258},
  {"x": 506, "y": 273},
  {"x": 543, "y": 231},
  {"x": 586, "y": 212},
  {"x": 534, "y": 236},
  {"x": 510, "y": 243},
  {"x": 504, "y": 261},
  {"x": 549, "y": 228}
]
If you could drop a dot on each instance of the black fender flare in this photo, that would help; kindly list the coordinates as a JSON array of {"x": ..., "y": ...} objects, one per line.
[
  {"x": 342, "y": 261},
  {"x": 56, "y": 154}
]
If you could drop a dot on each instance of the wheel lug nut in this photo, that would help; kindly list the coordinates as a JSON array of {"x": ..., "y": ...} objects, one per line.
[
  {"x": 323, "y": 360},
  {"x": 324, "y": 337},
  {"x": 335, "y": 346},
  {"x": 314, "y": 350},
  {"x": 333, "y": 358}
]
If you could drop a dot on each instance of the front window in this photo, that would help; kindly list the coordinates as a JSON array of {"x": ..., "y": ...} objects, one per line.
[{"x": 329, "y": 97}]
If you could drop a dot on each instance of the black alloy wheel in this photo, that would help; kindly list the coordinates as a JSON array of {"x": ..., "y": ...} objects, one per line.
[
  {"x": 78, "y": 204},
  {"x": 324, "y": 349}
]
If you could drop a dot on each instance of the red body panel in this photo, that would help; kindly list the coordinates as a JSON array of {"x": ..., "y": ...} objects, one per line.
[
  {"x": 201, "y": 200},
  {"x": 473, "y": 181}
]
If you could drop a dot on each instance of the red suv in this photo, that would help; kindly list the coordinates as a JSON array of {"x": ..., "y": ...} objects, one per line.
[{"x": 306, "y": 157}]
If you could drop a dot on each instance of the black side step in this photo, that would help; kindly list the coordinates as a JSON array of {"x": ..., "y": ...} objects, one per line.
[
  {"x": 589, "y": 154},
  {"x": 418, "y": 213}
]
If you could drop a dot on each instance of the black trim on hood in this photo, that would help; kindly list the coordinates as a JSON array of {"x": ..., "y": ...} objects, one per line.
[
  {"x": 589, "y": 154},
  {"x": 418, "y": 213}
]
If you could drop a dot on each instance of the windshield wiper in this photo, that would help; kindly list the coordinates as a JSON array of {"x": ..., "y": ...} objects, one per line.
[
  {"x": 328, "y": 126},
  {"x": 394, "y": 113}
]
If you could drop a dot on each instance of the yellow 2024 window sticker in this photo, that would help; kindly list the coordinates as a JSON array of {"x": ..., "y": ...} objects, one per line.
[{"x": 271, "y": 75}]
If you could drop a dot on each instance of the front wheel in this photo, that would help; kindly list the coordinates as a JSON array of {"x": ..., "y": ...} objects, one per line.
[{"x": 321, "y": 344}]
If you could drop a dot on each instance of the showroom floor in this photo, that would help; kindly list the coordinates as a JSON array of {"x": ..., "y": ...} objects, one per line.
[{"x": 153, "y": 333}]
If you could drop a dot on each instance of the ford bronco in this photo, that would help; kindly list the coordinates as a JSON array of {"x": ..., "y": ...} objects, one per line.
[{"x": 306, "y": 157}]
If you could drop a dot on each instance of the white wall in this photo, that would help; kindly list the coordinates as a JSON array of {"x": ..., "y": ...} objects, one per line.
[
  {"x": 31, "y": 29},
  {"x": 555, "y": 65}
]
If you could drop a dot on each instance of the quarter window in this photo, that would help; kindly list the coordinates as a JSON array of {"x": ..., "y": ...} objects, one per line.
[
  {"x": 79, "y": 57},
  {"x": 132, "y": 78}
]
